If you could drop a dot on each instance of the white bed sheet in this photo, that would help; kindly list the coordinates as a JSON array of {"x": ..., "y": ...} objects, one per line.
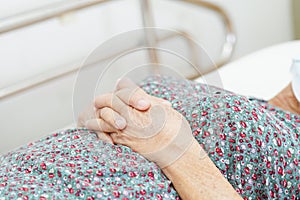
[{"x": 261, "y": 74}]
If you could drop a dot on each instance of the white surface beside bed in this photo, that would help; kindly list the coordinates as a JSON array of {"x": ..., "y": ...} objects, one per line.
[{"x": 261, "y": 74}]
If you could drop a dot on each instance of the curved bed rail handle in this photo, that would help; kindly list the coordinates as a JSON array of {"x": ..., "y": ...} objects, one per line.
[
  {"x": 230, "y": 37},
  {"x": 227, "y": 47}
]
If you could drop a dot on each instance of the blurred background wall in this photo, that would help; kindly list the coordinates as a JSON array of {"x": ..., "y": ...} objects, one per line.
[
  {"x": 70, "y": 38},
  {"x": 296, "y": 15}
]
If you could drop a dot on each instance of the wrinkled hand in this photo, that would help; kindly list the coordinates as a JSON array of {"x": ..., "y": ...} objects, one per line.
[
  {"x": 159, "y": 133},
  {"x": 90, "y": 117}
]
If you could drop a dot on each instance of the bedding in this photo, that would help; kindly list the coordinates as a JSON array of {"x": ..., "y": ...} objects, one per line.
[{"x": 262, "y": 73}]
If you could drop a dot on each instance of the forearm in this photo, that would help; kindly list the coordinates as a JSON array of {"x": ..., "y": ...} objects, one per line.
[
  {"x": 286, "y": 100},
  {"x": 195, "y": 176}
]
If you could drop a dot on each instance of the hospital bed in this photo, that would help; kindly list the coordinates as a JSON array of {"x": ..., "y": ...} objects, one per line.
[{"x": 52, "y": 109}]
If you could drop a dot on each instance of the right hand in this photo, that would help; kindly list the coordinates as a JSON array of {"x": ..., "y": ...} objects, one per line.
[
  {"x": 160, "y": 133},
  {"x": 90, "y": 117}
]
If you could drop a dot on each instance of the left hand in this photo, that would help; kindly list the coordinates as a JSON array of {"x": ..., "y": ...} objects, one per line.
[
  {"x": 91, "y": 117},
  {"x": 160, "y": 134}
]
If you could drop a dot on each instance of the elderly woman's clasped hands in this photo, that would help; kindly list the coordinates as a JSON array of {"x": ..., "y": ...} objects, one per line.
[
  {"x": 146, "y": 124},
  {"x": 151, "y": 127}
]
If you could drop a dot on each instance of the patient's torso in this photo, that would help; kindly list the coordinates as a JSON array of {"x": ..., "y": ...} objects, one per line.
[{"x": 255, "y": 146}]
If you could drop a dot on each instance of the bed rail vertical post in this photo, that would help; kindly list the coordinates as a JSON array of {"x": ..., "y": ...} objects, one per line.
[{"x": 150, "y": 35}]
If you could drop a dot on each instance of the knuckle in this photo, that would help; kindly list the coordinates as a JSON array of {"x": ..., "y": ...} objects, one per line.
[
  {"x": 108, "y": 99},
  {"x": 98, "y": 113},
  {"x": 100, "y": 125},
  {"x": 115, "y": 137},
  {"x": 103, "y": 99},
  {"x": 125, "y": 112},
  {"x": 98, "y": 99},
  {"x": 115, "y": 102},
  {"x": 120, "y": 93},
  {"x": 104, "y": 113}
]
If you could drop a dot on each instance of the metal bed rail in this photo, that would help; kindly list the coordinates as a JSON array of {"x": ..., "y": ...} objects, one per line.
[
  {"x": 55, "y": 10},
  {"x": 41, "y": 14}
]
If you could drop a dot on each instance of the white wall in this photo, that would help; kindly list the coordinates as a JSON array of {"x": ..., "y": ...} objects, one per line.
[
  {"x": 69, "y": 39},
  {"x": 62, "y": 41},
  {"x": 9, "y": 8},
  {"x": 259, "y": 23}
]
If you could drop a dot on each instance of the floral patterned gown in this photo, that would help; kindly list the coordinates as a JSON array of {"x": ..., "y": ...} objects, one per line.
[{"x": 255, "y": 146}]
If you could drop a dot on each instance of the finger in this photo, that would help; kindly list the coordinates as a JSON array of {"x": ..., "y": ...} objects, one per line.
[
  {"x": 163, "y": 101},
  {"x": 125, "y": 83},
  {"x": 113, "y": 118},
  {"x": 104, "y": 137},
  {"x": 119, "y": 139},
  {"x": 99, "y": 125},
  {"x": 139, "y": 99},
  {"x": 115, "y": 138},
  {"x": 140, "y": 95},
  {"x": 109, "y": 100},
  {"x": 135, "y": 97},
  {"x": 167, "y": 103},
  {"x": 89, "y": 113}
]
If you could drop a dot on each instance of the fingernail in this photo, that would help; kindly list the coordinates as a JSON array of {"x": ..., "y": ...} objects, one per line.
[
  {"x": 118, "y": 81},
  {"x": 143, "y": 103},
  {"x": 120, "y": 123}
]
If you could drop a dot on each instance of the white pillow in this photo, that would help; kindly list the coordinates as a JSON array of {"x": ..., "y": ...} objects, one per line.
[{"x": 261, "y": 74}]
